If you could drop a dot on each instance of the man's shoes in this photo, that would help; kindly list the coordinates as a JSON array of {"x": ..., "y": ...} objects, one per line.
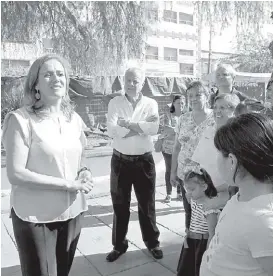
[
  {"x": 179, "y": 197},
  {"x": 114, "y": 255},
  {"x": 157, "y": 253},
  {"x": 167, "y": 199}
]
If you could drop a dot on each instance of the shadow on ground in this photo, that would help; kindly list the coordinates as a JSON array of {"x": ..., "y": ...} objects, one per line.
[
  {"x": 133, "y": 263},
  {"x": 106, "y": 214}
]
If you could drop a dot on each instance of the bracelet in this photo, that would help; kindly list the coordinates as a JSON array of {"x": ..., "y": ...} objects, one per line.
[{"x": 82, "y": 170}]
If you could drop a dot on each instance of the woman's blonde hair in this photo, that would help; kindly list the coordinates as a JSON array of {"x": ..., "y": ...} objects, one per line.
[
  {"x": 67, "y": 107},
  {"x": 228, "y": 68}
]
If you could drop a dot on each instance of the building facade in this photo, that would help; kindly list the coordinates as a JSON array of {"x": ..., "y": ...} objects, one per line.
[
  {"x": 172, "y": 43},
  {"x": 173, "y": 46}
]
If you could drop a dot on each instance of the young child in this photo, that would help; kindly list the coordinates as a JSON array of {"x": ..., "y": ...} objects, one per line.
[{"x": 199, "y": 187}]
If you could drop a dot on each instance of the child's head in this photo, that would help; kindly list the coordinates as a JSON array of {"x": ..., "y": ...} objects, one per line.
[{"x": 198, "y": 185}]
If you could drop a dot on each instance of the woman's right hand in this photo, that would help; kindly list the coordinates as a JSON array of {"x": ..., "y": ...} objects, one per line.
[
  {"x": 81, "y": 185},
  {"x": 174, "y": 180}
]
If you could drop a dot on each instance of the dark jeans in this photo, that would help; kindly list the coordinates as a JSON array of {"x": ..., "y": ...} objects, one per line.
[
  {"x": 190, "y": 258},
  {"x": 168, "y": 163},
  {"x": 46, "y": 249},
  {"x": 138, "y": 171},
  {"x": 187, "y": 206}
]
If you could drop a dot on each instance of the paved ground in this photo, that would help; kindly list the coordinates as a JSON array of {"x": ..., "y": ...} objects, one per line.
[
  {"x": 98, "y": 160},
  {"x": 95, "y": 240}
]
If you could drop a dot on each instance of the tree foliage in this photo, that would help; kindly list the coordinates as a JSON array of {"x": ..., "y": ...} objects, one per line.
[
  {"x": 248, "y": 15},
  {"x": 253, "y": 55},
  {"x": 91, "y": 34}
]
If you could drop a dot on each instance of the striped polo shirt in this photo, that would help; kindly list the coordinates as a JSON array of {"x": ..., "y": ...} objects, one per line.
[{"x": 198, "y": 221}]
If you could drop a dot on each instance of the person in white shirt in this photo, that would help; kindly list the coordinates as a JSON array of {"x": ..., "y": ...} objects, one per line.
[
  {"x": 243, "y": 240},
  {"x": 206, "y": 154},
  {"x": 132, "y": 119},
  {"x": 44, "y": 142}
]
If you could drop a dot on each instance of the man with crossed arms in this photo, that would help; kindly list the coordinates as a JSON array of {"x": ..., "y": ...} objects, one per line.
[{"x": 131, "y": 121}]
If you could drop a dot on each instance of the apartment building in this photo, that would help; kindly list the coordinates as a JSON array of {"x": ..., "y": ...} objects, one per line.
[
  {"x": 173, "y": 45},
  {"x": 172, "y": 42}
]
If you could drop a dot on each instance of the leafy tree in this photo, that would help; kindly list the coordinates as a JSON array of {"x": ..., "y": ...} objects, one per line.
[
  {"x": 92, "y": 35},
  {"x": 249, "y": 16},
  {"x": 253, "y": 55}
]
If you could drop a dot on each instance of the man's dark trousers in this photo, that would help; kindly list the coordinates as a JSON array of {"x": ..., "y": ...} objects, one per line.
[{"x": 139, "y": 171}]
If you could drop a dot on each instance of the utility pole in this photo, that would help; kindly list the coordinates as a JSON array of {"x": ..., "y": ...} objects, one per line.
[
  {"x": 210, "y": 48},
  {"x": 210, "y": 36}
]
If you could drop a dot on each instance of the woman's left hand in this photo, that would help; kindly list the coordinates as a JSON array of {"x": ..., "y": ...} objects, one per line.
[{"x": 86, "y": 176}]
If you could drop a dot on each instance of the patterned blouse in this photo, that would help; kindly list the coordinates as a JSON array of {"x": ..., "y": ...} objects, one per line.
[
  {"x": 168, "y": 142},
  {"x": 189, "y": 134}
]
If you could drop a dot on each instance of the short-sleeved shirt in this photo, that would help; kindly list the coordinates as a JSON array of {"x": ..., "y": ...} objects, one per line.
[
  {"x": 189, "y": 133},
  {"x": 244, "y": 232},
  {"x": 198, "y": 222},
  {"x": 206, "y": 155},
  {"x": 168, "y": 142},
  {"x": 55, "y": 149}
]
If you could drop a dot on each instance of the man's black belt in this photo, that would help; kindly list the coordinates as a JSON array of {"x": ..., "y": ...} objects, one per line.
[{"x": 130, "y": 157}]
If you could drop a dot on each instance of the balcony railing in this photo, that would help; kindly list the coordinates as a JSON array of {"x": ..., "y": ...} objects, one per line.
[
  {"x": 170, "y": 58},
  {"x": 151, "y": 57},
  {"x": 168, "y": 19},
  {"x": 186, "y": 53},
  {"x": 186, "y": 72},
  {"x": 186, "y": 22}
]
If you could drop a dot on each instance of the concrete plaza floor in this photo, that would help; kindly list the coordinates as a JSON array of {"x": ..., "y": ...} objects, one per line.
[{"x": 95, "y": 240}]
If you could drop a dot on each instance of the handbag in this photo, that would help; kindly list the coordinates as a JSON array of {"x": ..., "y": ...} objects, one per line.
[{"x": 159, "y": 145}]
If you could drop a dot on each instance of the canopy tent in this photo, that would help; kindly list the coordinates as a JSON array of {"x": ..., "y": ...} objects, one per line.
[
  {"x": 153, "y": 86},
  {"x": 252, "y": 84},
  {"x": 88, "y": 86},
  {"x": 243, "y": 77}
]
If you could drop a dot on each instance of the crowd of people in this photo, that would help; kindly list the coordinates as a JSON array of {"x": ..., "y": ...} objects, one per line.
[{"x": 218, "y": 152}]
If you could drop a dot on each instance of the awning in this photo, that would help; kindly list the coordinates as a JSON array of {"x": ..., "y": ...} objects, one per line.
[{"x": 243, "y": 77}]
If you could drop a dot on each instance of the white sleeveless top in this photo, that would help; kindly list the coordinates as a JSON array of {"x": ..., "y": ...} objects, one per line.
[{"x": 55, "y": 149}]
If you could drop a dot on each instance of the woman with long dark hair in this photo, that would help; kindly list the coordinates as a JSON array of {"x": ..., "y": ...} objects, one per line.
[
  {"x": 171, "y": 117},
  {"x": 243, "y": 240}
]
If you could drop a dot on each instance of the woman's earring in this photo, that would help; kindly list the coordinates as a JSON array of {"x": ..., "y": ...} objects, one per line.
[{"x": 37, "y": 95}]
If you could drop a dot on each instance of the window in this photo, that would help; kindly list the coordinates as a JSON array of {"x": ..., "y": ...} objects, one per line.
[
  {"x": 170, "y": 16},
  {"x": 170, "y": 54},
  {"x": 185, "y": 18},
  {"x": 8, "y": 63},
  {"x": 151, "y": 52},
  {"x": 183, "y": 52},
  {"x": 186, "y": 69},
  {"x": 153, "y": 15}
]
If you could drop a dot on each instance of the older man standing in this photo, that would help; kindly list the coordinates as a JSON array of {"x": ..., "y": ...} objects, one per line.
[
  {"x": 132, "y": 119},
  {"x": 224, "y": 77}
]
